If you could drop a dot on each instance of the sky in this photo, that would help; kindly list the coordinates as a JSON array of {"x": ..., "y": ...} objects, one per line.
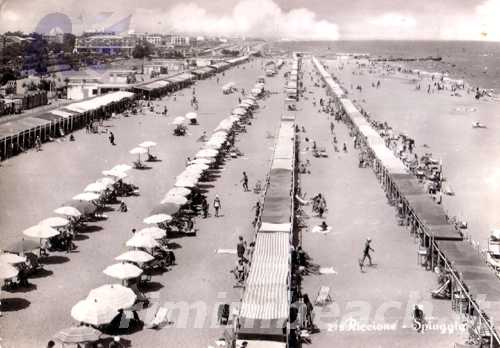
[{"x": 284, "y": 19}]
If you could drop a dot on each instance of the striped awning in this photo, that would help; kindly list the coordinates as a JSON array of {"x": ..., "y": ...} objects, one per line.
[
  {"x": 266, "y": 290},
  {"x": 265, "y": 302}
]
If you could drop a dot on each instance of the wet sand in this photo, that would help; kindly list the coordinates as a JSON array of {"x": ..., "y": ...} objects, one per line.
[
  {"x": 443, "y": 122},
  {"x": 34, "y": 184}
]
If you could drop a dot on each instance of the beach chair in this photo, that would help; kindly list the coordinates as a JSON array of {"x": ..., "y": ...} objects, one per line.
[
  {"x": 160, "y": 319},
  {"x": 323, "y": 296}
]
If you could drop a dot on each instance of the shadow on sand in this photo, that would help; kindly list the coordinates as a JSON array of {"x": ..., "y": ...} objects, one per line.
[{"x": 14, "y": 304}]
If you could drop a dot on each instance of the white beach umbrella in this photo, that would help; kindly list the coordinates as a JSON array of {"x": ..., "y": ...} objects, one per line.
[
  {"x": 202, "y": 160},
  {"x": 138, "y": 151},
  {"x": 114, "y": 295},
  {"x": 41, "y": 232},
  {"x": 179, "y": 120},
  {"x": 147, "y": 144},
  {"x": 68, "y": 211},
  {"x": 121, "y": 168},
  {"x": 197, "y": 167},
  {"x": 11, "y": 259},
  {"x": 138, "y": 256},
  {"x": 186, "y": 182},
  {"x": 219, "y": 135},
  {"x": 250, "y": 101},
  {"x": 93, "y": 312},
  {"x": 86, "y": 196},
  {"x": 207, "y": 153},
  {"x": 157, "y": 219},
  {"x": 191, "y": 115},
  {"x": 142, "y": 241},
  {"x": 106, "y": 181},
  {"x": 95, "y": 187},
  {"x": 174, "y": 199},
  {"x": 178, "y": 191},
  {"x": 123, "y": 271},
  {"x": 239, "y": 111},
  {"x": 7, "y": 271},
  {"x": 115, "y": 174},
  {"x": 153, "y": 232},
  {"x": 256, "y": 91},
  {"x": 55, "y": 222}
]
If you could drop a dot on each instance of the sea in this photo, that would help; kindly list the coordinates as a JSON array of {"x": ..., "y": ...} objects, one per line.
[{"x": 476, "y": 62}]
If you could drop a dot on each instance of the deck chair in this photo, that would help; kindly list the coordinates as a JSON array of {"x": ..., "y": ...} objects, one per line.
[
  {"x": 160, "y": 319},
  {"x": 323, "y": 296}
]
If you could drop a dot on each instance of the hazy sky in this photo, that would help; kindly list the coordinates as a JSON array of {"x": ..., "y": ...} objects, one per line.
[{"x": 294, "y": 19}]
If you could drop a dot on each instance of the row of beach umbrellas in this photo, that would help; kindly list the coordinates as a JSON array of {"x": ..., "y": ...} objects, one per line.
[{"x": 102, "y": 304}]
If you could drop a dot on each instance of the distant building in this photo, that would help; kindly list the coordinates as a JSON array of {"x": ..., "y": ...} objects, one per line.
[
  {"x": 177, "y": 40},
  {"x": 106, "y": 44},
  {"x": 56, "y": 38},
  {"x": 155, "y": 40}
]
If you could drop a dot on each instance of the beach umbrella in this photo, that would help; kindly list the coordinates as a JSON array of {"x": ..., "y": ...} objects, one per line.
[
  {"x": 239, "y": 111},
  {"x": 260, "y": 85},
  {"x": 213, "y": 144},
  {"x": 68, "y": 211},
  {"x": 114, "y": 173},
  {"x": 207, "y": 153},
  {"x": 147, "y": 144},
  {"x": 138, "y": 256},
  {"x": 256, "y": 91},
  {"x": 78, "y": 334},
  {"x": 245, "y": 105},
  {"x": 179, "y": 191},
  {"x": 86, "y": 196},
  {"x": 186, "y": 182},
  {"x": 123, "y": 271},
  {"x": 166, "y": 208},
  {"x": 93, "y": 312},
  {"x": 138, "y": 151},
  {"x": 11, "y": 259},
  {"x": 106, "y": 181},
  {"x": 202, "y": 160},
  {"x": 191, "y": 115},
  {"x": 157, "y": 219},
  {"x": 142, "y": 241},
  {"x": 219, "y": 135},
  {"x": 84, "y": 207},
  {"x": 114, "y": 295},
  {"x": 55, "y": 222},
  {"x": 251, "y": 97},
  {"x": 250, "y": 101},
  {"x": 7, "y": 271},
  {"x": 95, "y": 187},
  {"x": 224, "y": 125},
  {"x": 198, "y": 167},
  {"x": 153, "y": 232},
  {"x": 179, "y": 120},
  {"x": 121, "y": 168},
  {"x": 23, "y": 246},
  {"x": 175, "y": 199},
  {"x": 41, "y": 232}
]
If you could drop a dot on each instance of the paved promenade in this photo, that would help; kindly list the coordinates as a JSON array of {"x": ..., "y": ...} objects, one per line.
[{"x": 358, "y": 209}]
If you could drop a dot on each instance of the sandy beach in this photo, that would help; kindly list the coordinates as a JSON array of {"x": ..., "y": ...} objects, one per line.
[
  {"x": 34, "y": 184},
  {"x": 441, "y": 124},
  {"x": 358, "y": 209}
]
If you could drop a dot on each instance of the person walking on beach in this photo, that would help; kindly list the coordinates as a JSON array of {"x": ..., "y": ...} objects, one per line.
[
  {"x": 344, "y": 148},
  {"x": 244, "y": 180},
  {"x": 38, "y": 144},
  {"x": 217, "y": 205},
  {"x": 240, "y": 248},
  {"x": 366, "y": 253},
  {"x": 112, "y": 138},
  {"x": 257, "y": 213}
]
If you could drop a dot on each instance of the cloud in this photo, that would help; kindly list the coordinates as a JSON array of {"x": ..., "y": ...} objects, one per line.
[
  {"x": 394, "y": 21},
  {"x": 481, "y": 24},
  {"x": 261, "y": 18}
]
